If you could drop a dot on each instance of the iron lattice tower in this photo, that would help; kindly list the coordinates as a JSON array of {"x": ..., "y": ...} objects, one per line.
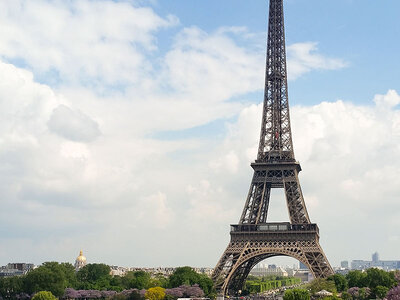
[{"x": 253, "y": 239}]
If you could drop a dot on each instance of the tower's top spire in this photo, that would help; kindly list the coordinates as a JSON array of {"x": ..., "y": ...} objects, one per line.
[{"x": 276, "y": 137}]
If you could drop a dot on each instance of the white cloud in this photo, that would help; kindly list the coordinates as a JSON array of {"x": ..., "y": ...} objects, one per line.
[
  {"x": 200, "y": 62},
  {"x": 391, "y": 99},
  {"x": 73, "y": 125},
  {"x": 303, "y": 58},
  {"x": 80, "y": 41},
  {"x": 154, "y": 210}
]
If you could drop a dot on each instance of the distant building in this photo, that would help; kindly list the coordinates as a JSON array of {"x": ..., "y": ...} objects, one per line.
[
  {"x": 272, "y": 270},
  {"x": 344, "y": 264},
  {"x": 342, "y": 271},
  {"x": 118, "y": 271},
  {"x": 15, "y": 269},
  {"x": 386, "y": 265},
  {"x": 80, "y": 261},
  {"x": 304, "y": 275}
]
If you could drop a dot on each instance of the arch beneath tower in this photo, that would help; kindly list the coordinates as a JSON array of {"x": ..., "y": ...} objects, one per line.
[{"x": 251, "y": 257}]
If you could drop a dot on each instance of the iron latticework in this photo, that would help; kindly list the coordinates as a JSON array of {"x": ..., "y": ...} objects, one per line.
[{"x": 253, "y": 239}]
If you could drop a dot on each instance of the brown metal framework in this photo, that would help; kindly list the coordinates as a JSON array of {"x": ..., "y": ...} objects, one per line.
[{"x": 253, "y": 239}]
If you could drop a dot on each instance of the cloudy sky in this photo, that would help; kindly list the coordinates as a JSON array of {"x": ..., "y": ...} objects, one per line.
[{"x": 127, "y": 127}]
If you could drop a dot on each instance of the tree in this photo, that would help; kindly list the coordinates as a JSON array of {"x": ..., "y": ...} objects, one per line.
[
  {"x": 44, "y": 295},
  {"x": 155, "y": 293},
  {"x": 10, "y": 287},
  {"x": 381, "y": 291},
  {"x": 346, "y": 296},
  {"x": 296, "y": 294},
  {"x": 51, "y": 276},
  {"x": 116, "y": 283},
  {"x": 136, "y": 280},
  {"x": 355, "y": 279},
  {"x": 183, "y": 276},
  {"x": 365, "y": 292},
  {"x": 188, "y": 276},
  {"x": 320, "y": 284},
  {"x": 206, "y": 284},
  {"x": 375, "y": 277},
  {"x": 94, "y": 276},
  {"x": 159, "y": 280},
  {"x": 135, "y": 295},
  {"x": 70, "y": 274},
  {"x": 340, "y": 282}
]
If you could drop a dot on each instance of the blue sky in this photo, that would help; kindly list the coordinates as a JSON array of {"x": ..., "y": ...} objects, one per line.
[{"x": 128, "y": 127}]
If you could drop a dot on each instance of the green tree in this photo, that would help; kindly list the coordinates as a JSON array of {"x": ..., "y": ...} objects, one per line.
[
  {"x": 340, "y": 282},
  {"x": 375, "y": 277},
  {"x": 183, "y": 276},
  {"x": 10, "y": 286},
  {"x": 355, "y": 279},
  {"x": 70, "y": 274},
  {"x": 381, "y": 291},
  {"x": 346, "y": 296},
  {"x": 320, "y": 284},
  {"x": 116, "y": 283},
  {"x": 136, "y": 280},
  {"x": 188, "y": 276},
  {"x": 296, "y": 294},
  {"x": 365, "y": 293},
  {"x": 206, "y": 284},
  {"x": 159, "y": 280},
  {"x": 51, "y": 276},
  {"x": 44, "y": 295},
  {"x": 135, "y": 296},
  {"x": 155, "y": 293},
  {"x": 94, "y": 276}
]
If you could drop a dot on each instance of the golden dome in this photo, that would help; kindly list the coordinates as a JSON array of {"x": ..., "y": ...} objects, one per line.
[{"x": 81, "y": 257}]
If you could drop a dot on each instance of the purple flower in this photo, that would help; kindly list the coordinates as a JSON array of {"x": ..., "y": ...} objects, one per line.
[
  {"x": 70, "y": 293},
  {"x": 354, "y": 292},
  {"x": 394, "y": 293}
]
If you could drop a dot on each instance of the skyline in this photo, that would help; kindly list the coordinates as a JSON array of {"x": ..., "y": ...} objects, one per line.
[{"x": 131, "y": 137}]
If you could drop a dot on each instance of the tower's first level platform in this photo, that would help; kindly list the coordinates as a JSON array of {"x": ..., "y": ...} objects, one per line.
[{"x": 274, "y": 231}]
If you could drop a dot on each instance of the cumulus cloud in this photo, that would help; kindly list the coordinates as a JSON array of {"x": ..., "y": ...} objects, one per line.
[{"x": 73, "y": 125}]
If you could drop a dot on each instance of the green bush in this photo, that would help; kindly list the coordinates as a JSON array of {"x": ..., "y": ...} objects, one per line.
[
  {"x": 296, "y": 294},
  {"x": 44, "y": 295}
]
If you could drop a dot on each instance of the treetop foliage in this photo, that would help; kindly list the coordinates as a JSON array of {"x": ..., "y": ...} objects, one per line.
[
  {"x": 94, "y": 281},
  {"x": 296, "y": 294},
  {"x": 44, "y": 295}
]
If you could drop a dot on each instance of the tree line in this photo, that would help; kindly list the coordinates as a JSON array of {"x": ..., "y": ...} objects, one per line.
[
  {"x": 356, "y": 285},
  {"x": 94, "y": 281}
]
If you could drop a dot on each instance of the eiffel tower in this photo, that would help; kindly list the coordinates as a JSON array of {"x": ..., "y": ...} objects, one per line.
[{"x": 254, "y": 239}]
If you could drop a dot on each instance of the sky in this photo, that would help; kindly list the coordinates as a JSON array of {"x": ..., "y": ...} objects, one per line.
[{"x": 127, "y": 128}]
